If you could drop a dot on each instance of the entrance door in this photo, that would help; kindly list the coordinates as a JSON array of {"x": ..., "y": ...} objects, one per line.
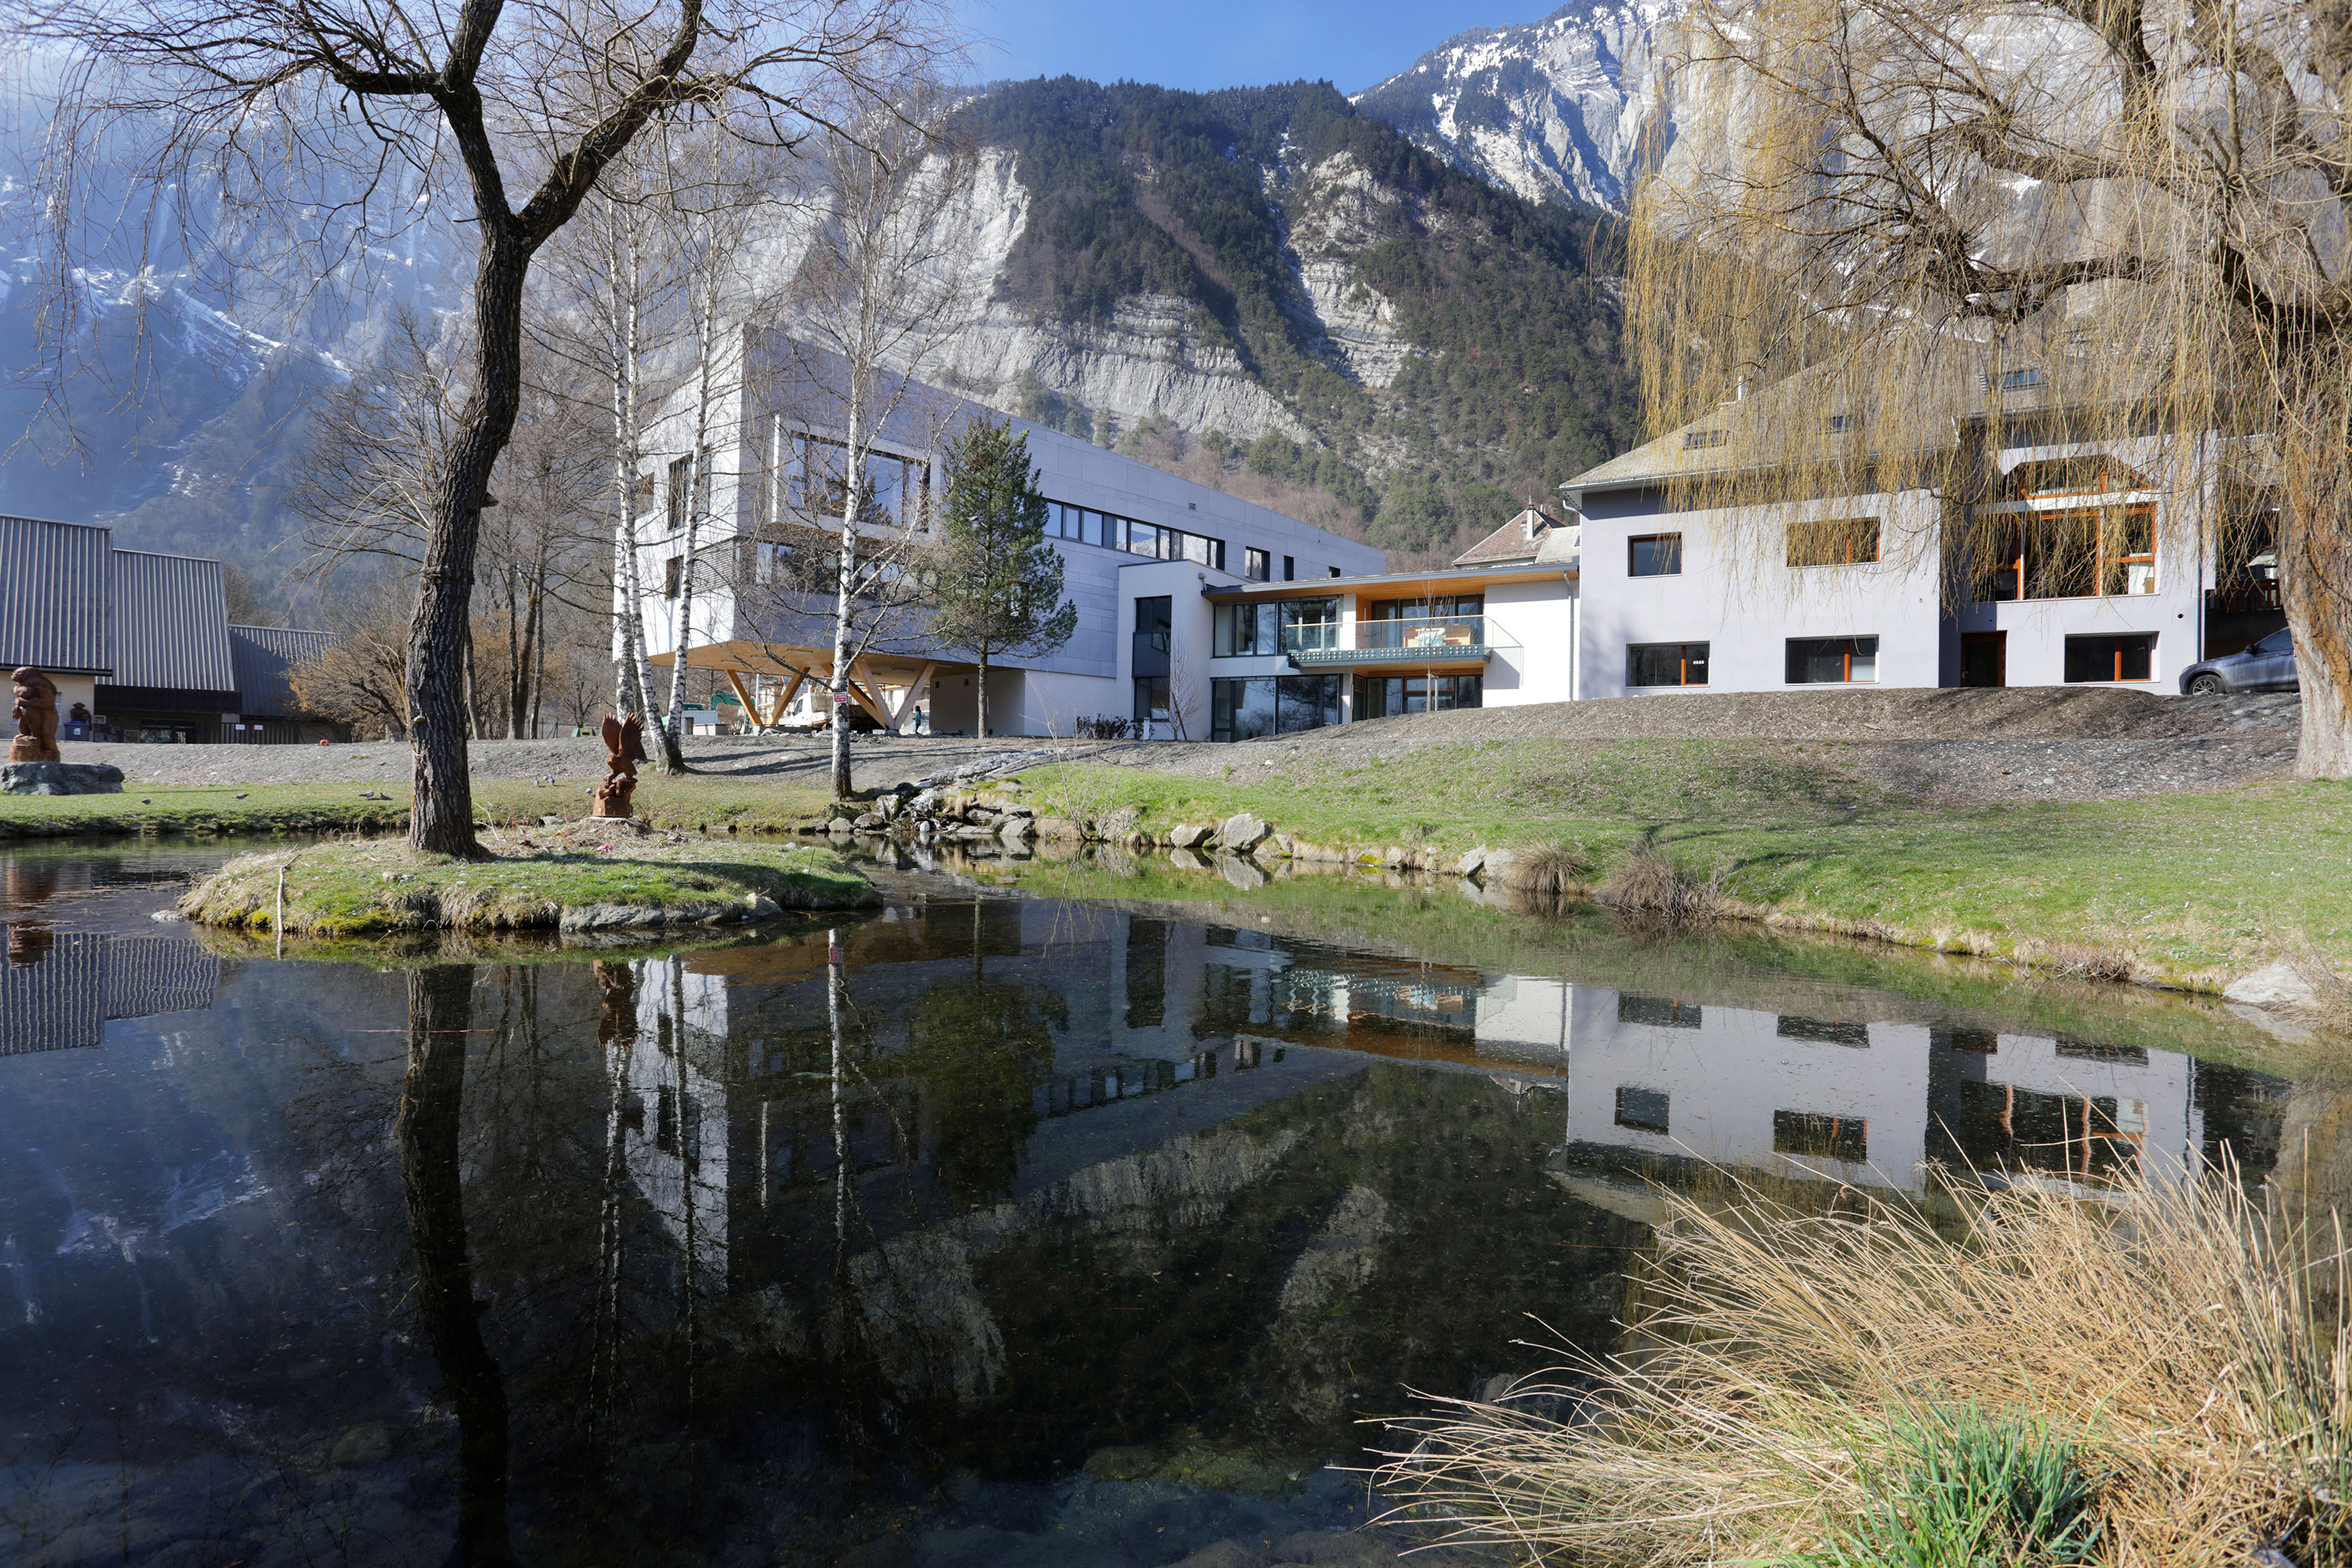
[{"x": 1984, "y": 658}]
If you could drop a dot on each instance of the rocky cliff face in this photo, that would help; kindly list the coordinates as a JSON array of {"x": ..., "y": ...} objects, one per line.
[{"x": 1562, "y": 109}]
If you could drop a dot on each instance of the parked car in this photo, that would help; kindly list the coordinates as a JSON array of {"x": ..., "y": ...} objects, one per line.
[{"x": 2267, "y": 666}]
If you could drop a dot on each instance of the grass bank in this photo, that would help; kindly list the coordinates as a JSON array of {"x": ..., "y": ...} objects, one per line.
[
  {"x": 2189, "y": 889},
  {"x": 367, "y": 887},
  {"x": 2152, "y": 1379},
  {"x": 689, "y": 804}
]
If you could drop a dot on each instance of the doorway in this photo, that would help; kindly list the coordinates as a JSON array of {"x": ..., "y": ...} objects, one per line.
[{"x": 1984, "y": 658}]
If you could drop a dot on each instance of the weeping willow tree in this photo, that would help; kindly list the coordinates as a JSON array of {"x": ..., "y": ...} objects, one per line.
[{"x": 1896, "y": 238}]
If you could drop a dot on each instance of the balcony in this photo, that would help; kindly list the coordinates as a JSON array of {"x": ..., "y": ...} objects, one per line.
[
  {"x": 1433, "y": 642},
  {"x": 2247, "y": 596}
]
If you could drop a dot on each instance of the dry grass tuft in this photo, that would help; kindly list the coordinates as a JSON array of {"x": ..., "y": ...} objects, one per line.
[
  {"x": 1552, "y": 869},
  {"x": 2188, "y": 1349},
  {"x": 1651, "y": 887}
]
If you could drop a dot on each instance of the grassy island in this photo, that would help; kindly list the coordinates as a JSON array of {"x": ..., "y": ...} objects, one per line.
[{"x": 577, "y": 877}]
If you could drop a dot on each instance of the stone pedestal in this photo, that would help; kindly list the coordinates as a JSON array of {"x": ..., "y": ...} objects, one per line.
[{"x": 60, "y": 778}]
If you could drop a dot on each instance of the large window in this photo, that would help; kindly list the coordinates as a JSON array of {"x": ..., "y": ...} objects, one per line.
[
  {"x": 1833, "y": 542},
  {"x": 1665, "y": 664},
  {"x": 1257, "y": 565},
  {"x": 1831, "y": 661},
  {"x": 1644, "y": 1110},
  {"x": 1654, "y": 555},
  {"x": 1274, "y": 626},
  {"x": 1272, "y": 705},
  {"x": 810, "y": 474},
  {"x": 689, "y": 490},
  {"x": 2080, "y": 553},
  {"x": 1441, "y": 621},
  {"x": 2130, "y": 657},
  {"x": 1387, "y": 696},
  {"x": 1112, "y": 531}
]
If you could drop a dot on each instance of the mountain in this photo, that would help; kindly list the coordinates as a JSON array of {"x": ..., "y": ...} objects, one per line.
[
  {"x": 1562, "y": 109},
  {"x": 1268, "y": 285}
]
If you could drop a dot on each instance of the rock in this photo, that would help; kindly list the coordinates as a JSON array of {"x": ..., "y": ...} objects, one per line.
[
  {"x": 1243, "y": 833},
  {"x": 887, "y": 805},
  {"x": 1057, "y": 828},
  {"x": 609, "y": 917},
  {"x": 548, "y": 819},
  {"x": 1281, "y": 844},
  {"x": 1469, "y": 864},
  {"x": 1017, "y": 830},
  {"x": 1185, "y": 836},
  {"x": 1011, "y": 786},
  {"x": 1393, "y": 857},
  {"x": 61, "y": 778},
  {"x": 980, "y": 815},
  {"x": 927, "y": 803},
  {"x": 2280, "y": 985},
  {"x": 1187, "y": 860},
  {"x": 761, "y": 907},
  {"x": 871, "y": 822},
  {"x": 1117, "y": 824},
  {"x": 1241, "y": 873},
  {"x": 1499, "y": 865}
]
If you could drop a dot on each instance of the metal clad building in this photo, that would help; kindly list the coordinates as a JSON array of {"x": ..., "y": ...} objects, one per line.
[
  {"x": 53, "y": 604},
  {"x": 262, "y": 655},
  {"x": 171, "y": 627}
]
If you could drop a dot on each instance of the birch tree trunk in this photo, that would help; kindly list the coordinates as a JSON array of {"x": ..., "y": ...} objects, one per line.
[{"x": 845, "y": 598}]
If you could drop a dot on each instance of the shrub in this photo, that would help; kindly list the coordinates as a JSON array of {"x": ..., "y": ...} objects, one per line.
[{"x": 1651, "y": 886}]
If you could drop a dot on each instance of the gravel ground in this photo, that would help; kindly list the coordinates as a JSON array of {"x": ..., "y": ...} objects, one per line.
[{"x": 2015, "y": 744}]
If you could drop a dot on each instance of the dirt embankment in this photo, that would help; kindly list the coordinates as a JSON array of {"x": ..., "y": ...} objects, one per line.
[{"x": 2011, "y": 743}]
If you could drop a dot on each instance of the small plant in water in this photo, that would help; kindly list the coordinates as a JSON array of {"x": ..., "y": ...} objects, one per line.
[{"x": 1962, "y": 1490}]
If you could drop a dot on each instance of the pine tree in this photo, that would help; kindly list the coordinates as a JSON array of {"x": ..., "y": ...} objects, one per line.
[{"x": 1000, "y": 582}]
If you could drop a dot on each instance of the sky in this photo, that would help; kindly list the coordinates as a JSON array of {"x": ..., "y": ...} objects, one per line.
[{"x": 1203, "y": 44}]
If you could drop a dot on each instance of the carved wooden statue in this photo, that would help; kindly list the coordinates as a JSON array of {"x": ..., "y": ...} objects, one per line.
[
  {"x": 626, "y": 742},
  {"x": 36, "y": 717}
]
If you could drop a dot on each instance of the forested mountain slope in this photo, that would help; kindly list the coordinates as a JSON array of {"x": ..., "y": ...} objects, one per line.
[{"x": 1270, "y": 268}]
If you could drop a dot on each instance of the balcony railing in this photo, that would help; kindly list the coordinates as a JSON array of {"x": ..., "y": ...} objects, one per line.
[
  {"x": 2257, "y": 596},
  {"x": 1431, "y": 640}
]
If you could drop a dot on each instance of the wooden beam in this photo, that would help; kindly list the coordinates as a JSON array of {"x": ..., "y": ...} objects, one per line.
[
  {"x": 914, "y": 695},
  {"x": 800, "y": 677},
  {"x": 865, "y": 698},
  {"x": 751, "y": 704}
]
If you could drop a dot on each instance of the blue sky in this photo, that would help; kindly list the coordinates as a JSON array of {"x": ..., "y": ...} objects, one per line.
[{"x": 1206, "y": 44}]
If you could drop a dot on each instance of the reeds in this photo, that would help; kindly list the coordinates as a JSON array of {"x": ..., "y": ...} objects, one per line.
[
  {"x": 1782, "y": 1395},
  {"x": 1649, "y": 885}
]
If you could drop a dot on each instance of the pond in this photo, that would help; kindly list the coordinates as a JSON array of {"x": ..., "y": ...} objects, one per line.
[{"x": 1083, "y": 1216}]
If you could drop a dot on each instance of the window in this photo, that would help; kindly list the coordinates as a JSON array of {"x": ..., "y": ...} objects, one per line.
[
  {"x": 673, "y": 574},
  {"x": 1336, "y": 571},
  {"x": 1823, "y": 1031},
  {"x": 2078, "y": 553},
  {"x": 681, "y": 492},
  {"x": 1154, "y": 626},
  {"x": 1311, "y": 623},
  {"x": 1840, "y": 423},
  {"x": 1653, "y": 556},
  {"x": 1272, "y": 705},
  {"x": 2131, "y": 657},
  {"x": 1820, "y": 1137},
  {"x": 1643, "y": 1109},
  {"x": 1455, "y": 620},
  {"x": 1694, "y": 440},
  {"x": 1257, "y": 565},
  {"x": 1665, "y": 664},
  {"x": 1833, "y": 542},
  {"x": 1387, "y": 696},
  {"x": 1085, "y": 526},
  {"x": 1662, "y": 1012},
  {"x": 1976, "y": 1042},
  {"x": 1831, "y": 661},
  {"x": 1274, "y": 626},
  {"x": 1151, "y": 701},
  {"x": 1289, "y": 569},
  {"x": 2024, "y": 378}
]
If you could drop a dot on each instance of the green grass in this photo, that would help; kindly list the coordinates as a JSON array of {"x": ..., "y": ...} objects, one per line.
[
  {"x": 1962, "y": 1490},
  {"x": 692, "y": 803},
  {"x": 366, "y": 886},
  {"x": 2191, "y": 889}
]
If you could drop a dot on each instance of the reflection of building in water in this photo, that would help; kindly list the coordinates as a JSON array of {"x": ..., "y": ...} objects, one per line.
[
  {"x": 66, "y": 986},
  {"x": 1869, "y": 1103}
]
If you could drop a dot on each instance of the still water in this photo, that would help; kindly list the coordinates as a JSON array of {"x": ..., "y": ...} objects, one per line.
[{"x": 998, "y": 1227}]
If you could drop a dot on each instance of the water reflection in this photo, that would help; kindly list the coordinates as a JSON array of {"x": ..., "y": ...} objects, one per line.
[{"x": 991, "y": 1229}]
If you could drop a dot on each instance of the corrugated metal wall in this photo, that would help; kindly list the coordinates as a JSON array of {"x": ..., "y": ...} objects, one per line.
[
  {"x": 53, "y": 596},
  {"x": 171, "y": 622},
  {"x": 262, "y": 655}
]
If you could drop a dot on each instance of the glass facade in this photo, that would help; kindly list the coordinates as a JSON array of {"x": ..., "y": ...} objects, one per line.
[
  {"x": 1272, "y": 705},
  {"x": 1665, "y": 664},
  {"x": 1387, "y": 696},
  {"x": 1112, "y": 531},
  {"x": 1831, "y": 661},
  {"x": 1275, "y": 625}
]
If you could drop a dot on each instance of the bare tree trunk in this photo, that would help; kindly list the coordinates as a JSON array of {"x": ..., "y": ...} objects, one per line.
[
  {"x": 699, "y": 488},
  {"x": 983, "y": 694},
  {"x": 2315, "y": 591},
  {"x": 634, "y": 679},
  {"x": 844, "y": 594}
]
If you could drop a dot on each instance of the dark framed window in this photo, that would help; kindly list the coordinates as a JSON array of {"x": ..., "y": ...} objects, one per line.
[
  {"x": 1831, "y": 661},
  {"x": 1309, "y": 624},
  {"x": 1289, "y": 568},
  {"x": 1387, "y": 696},
  {"x": 1694, "y": 440},
  {"x": 1823, "y": 1031},
  {"x": 1303, "y": 702},
  {"x": 1665, "y": 664},
  {"x": 1653, "y": 556},
  {"x": 2130, "y": 657},
  {"x": 1643, "y": 1109},
  {"x": 673, "y": 574},
  {"x": 1257, "y": 565},
  {"x": 1661, "y": 1012},
  {"x": 2080, "y": 553},
  {"x": 1809, "y": 1132},
  {"x": 1150, "y": 700},
  {"x": 1240, "y": 710},
  {"x": 1833, "y": 542}
]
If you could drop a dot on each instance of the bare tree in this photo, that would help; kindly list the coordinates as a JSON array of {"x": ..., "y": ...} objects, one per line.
[
  {"x": 882, "y": 288},
  {"x": 362, "y": 677},
  {"x": 252, "y": 102},
  {"x": 2111, "y": 223}
]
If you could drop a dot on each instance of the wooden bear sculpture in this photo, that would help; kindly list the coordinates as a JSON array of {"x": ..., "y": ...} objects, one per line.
[
  {"x": 626, "y": 742},
  {"x": 36, "y": 717}
]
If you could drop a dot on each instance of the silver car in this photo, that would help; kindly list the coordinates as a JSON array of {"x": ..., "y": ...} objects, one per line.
[{"x": 2267, "y": 666}]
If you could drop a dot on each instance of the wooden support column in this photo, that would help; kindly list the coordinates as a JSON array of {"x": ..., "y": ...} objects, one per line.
[
  {"x": 865, "y": 698},
  {"x": 915, "y": 694}
]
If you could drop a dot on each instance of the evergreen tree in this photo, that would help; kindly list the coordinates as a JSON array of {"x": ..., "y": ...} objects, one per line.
[{"x": 1000, "y": 582}]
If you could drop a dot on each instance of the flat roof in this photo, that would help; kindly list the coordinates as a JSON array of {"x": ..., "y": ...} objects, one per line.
[{"x": 1451, "y": 576}]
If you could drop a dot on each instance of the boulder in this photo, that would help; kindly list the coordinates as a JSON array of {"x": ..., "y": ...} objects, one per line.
[
  {"x": 1241, "y": 873},
  {"x": 1469, "y": 864},
  {"x": 871, "y": 822},
  {"x": 60, "y": 778},
  {"x": 1017, "y": 830},
  {"x": 1243, "y": 833},
  {"x": 2280, "y": 985},
  {"x": 1056, "y": 827},
  {"x": 1282, "y": 845},
  {"x": 1499, "y": 867},
  {"x": 1186, "y": 835},
  {"x": 1187, "y": 860}
]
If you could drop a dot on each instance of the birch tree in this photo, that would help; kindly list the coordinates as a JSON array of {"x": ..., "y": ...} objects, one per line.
[
  {"x": 2101, "y": 221},
  {"x": 299, "y": 113}
]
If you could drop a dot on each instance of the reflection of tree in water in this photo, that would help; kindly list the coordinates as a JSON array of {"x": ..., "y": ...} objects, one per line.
[
  {"x": 981, "y": 1049},
  {"x": 440, "y": 1022}
]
